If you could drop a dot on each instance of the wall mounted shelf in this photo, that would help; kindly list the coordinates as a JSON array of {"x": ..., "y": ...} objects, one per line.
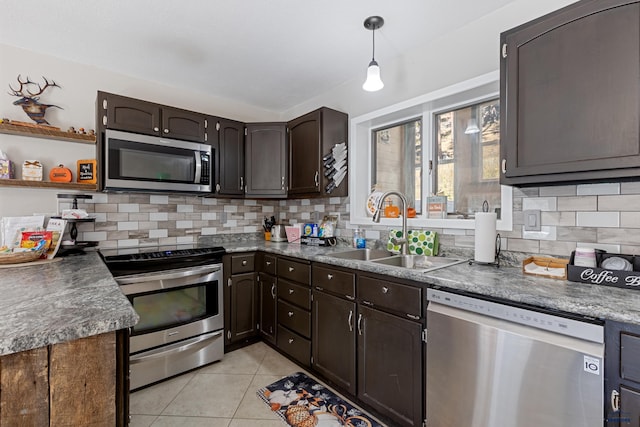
[
  {"x": 47, "y": 184},
  {"x": 43, "y": 132}
]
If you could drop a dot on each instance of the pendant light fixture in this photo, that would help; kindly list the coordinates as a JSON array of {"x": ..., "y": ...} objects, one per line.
[{"x": 373, "y": 82}]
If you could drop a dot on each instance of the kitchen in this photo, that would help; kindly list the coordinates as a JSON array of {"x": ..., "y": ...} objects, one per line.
[{"x": 604, "y": 215}]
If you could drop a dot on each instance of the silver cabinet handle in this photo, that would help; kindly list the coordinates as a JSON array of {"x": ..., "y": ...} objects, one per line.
[
  {"x": 290, "y": 314},
  {"x": 218, "y": 188},
  {"x": 242, "y": 182},
  {"x": 385, "y": 290},
  {"x": 268, "y": 263},
  {"x": 319, "y": 288},
  {"x": 244, "y": 262},
  {"x": 166, "y": 131},
  {"x": 290, "y": 269},
  {"x": 156, "y": 129},
  {"x": 290, "y": 340},
  {"x": 329, "y": 276},
  {"x": 273, "y": 291},
  {"x": 350, "y": 320},
  {"x": 413, "y": 316},
  {"x": 360, "y": 324},
  {"x": 504, "y": 165},
  {"x": 290, "y": 291},
  {"x": 282, "y": 183},
  {"x": 316, "y": 179}
]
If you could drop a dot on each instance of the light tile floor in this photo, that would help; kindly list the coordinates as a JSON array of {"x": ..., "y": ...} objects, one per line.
[{"x": 222, "y": 394}]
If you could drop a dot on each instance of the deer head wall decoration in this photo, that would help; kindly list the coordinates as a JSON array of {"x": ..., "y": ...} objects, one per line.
[{"x": 29, "y": 101}]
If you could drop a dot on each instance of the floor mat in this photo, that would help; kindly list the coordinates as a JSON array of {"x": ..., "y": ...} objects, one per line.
[{"x": 303, "y": 402}]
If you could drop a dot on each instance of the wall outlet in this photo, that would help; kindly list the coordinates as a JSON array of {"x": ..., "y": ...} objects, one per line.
[{"x": 532, "y": 220}]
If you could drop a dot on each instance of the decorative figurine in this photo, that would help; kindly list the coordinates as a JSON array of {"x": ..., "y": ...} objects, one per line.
[{"x": 29, "y": 103}]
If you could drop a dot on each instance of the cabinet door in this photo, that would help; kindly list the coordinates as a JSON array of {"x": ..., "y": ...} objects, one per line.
[
  {"x": 130, "y": 114},
  {"x": 390, "y": 373},
  {"x": 304, "y": 154},
  {"x": 182, "y": 124},
  {"x": 243, "y": 307},
  {"x": 267, "y": 320},
  {"x": 334, "y": 339},
  {"x": 231, "y": 158},
  {"x": 266, "y": 159},
  {"x": 569, "y": 113}
]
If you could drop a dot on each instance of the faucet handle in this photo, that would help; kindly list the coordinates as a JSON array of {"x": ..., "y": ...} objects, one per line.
[{"x": 398, "y": 241}]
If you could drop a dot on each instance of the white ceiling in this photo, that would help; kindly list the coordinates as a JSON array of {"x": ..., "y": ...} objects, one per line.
[{"x": 271, "y": 54}]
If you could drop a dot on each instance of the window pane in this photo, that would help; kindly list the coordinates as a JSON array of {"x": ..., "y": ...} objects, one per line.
[
  {"x": 468, "y": 157},
  {"x": 397, "y": 161}
]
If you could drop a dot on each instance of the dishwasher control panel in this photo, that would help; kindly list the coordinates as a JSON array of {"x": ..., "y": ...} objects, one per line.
[{"x": 536, "y": 319}]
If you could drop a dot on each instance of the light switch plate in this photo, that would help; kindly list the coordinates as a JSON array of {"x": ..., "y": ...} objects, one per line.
[{"x": 531, "y": 220}]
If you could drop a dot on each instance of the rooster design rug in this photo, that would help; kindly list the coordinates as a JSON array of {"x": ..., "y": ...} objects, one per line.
[{"x": 303, "y": 402}]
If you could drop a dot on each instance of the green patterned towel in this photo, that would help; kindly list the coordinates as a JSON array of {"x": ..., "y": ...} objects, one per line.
[{"x": 421, "y": 242}]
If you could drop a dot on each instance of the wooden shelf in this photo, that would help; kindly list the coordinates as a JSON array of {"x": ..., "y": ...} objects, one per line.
[
  {"x": 44, "y": 132},
  {"x": 47, "y": 184}
]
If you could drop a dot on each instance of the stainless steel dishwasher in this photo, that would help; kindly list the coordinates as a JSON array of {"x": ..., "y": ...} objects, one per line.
[{"x": 491, "y": 364}]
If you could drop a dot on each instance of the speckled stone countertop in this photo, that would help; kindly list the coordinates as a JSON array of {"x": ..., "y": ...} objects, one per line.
[
  {"x": 507, "y": 283},
  {"x": 61, "y": 301}
]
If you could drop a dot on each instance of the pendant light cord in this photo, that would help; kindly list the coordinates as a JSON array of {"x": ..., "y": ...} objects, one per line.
[{"x": 373, "y": 54}]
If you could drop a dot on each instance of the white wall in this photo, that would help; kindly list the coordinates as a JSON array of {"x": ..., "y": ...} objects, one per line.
[{"x": 469, "y": 52}]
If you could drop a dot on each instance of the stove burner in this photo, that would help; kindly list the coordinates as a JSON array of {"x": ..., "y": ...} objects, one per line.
[{"x": 142, "y": 260}]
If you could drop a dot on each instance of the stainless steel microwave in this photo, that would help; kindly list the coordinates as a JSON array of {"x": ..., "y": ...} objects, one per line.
[{"x": 155, "y": 164}]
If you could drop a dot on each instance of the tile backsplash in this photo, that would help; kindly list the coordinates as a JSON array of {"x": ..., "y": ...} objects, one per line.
[{"x": 605, "y": 216}]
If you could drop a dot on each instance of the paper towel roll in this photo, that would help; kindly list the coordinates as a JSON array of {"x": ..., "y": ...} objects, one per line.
[{"x": 485, "y": 239}]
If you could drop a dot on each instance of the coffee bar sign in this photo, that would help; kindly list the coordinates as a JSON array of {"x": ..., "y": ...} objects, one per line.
[{"x": 600, "y": 276}]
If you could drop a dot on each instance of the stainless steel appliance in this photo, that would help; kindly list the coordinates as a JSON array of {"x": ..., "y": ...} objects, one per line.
[
  {"x": 177, "y": 292},
  {"x": 143, "y": 162},
  {"x": 491, "y": 364}
]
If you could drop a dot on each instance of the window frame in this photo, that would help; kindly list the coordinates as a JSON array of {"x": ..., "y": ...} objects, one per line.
[{"x": 472, "y": 91}]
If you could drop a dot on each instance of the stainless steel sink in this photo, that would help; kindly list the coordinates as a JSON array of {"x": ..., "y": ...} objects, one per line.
[
  {"x": 418, "y": 262},
  {"x": 362, "y": 254}
]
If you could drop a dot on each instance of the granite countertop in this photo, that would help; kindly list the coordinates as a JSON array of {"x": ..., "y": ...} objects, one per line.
[
  {"x": 60, "y": 301},
  {"x": 507, "y": 283}
]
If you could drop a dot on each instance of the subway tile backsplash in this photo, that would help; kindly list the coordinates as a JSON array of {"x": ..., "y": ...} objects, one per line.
[{"x": 605, "y": 216}]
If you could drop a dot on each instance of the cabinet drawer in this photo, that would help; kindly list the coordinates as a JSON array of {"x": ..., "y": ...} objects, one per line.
[
  {"x": 295, "y": 294},
  {"x": 392, "y": 296},
  {"x": 339, "y": 282},
  {"x": 243, "y": 263},
  {"x": 294, "y": 345},
  {"x": 268, "y": 264},
  {"x": 294, "y": 318},
  {"x": 294, "y": 270},
  {"x": 629, "y": 351}
]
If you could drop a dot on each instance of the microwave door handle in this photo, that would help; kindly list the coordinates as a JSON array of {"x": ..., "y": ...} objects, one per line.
[{"x": 198, "y": 167}]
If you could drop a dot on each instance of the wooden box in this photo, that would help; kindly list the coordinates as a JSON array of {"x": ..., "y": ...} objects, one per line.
[{"x": 554, "y": 268}]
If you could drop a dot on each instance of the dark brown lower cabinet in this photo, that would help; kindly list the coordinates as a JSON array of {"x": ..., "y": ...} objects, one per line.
[
  {"x": 622, "y": 374},
  {"x": 243, "y": 306},
  {"x": 390, "y": 376},
  {"x": 334, "y": 339},
  {"x": 268, "y": 302}
]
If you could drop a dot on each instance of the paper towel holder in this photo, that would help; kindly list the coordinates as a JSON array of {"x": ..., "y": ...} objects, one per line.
[{"x": 496, "y": 262}]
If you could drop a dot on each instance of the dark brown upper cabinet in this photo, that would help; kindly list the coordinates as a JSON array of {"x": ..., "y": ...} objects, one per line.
[
  {"x": 230, "y": 158},
  {"x": 134, "y": 115},
  {"x": 266, "y": 160},
  {"x": 568, "y": 94},
  {"x": 185, "y": 125},
  {"x": 311, "y": 137}
]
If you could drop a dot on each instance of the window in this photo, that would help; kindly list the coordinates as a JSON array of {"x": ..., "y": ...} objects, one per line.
[
  {"x": 467, "y": 157},
  {"x": 429, "y": 146},
  {"x": 397, "y": 160}
]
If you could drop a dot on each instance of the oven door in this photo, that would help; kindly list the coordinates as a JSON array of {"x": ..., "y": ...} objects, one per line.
[
  {"x": 174, "y": 305},
  {"x": 134, "y": 161}
]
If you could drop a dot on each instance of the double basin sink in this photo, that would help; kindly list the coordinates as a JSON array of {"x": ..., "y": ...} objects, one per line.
[{"x": 414, "y": 262}]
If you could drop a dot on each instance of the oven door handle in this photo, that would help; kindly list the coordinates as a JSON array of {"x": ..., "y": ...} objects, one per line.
[
  {"x": 175, "y": 348},
  {"x": 166, "y": 275}
]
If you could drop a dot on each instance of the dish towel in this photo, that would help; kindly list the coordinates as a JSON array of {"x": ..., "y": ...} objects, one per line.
[{"x": 421, "y": 242}]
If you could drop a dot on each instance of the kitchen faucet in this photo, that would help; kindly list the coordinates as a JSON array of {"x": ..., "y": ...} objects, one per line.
[{"x": 403, "y": 241}]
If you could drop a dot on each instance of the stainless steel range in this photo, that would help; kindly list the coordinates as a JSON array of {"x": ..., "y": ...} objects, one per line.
[{"x": 177, "y": 292}]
